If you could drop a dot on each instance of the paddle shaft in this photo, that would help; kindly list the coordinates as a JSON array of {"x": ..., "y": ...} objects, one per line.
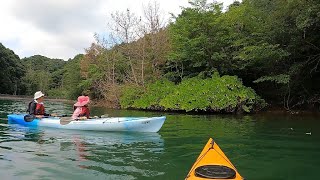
[{"x": 29, "y": 118}]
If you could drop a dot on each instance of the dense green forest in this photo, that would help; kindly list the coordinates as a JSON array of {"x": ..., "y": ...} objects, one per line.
[{"x": 205, "y": 59}]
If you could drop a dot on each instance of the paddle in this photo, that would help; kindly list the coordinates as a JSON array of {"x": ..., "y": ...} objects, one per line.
[
  {"x": 65, "y": 117},
  {"x": 29, "y": 118},
  {"x": 65, "y": 120}
]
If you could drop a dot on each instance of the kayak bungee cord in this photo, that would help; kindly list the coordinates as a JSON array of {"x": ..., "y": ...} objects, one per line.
[
  {"x": 198, "y": 160},
  {"x": 227, "y": 161}
]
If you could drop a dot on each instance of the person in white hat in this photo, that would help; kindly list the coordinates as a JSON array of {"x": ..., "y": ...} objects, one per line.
[{"x": 36, "y": 106}]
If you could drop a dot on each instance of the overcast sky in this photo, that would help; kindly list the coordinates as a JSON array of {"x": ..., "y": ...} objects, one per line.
[{"x": 63, "y": 28}]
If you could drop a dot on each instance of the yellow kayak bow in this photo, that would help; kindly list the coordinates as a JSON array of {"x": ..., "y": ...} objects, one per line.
[{"x": 212, "y": 163}]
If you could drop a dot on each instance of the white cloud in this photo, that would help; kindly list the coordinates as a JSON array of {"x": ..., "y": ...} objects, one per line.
[{"x": 62, "y": 29}]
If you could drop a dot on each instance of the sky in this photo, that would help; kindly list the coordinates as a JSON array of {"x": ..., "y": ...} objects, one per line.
[{"x": 64, "y": 28}]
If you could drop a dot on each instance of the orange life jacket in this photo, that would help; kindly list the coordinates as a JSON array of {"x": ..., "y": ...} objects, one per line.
[{"x": 39, "y": 109}]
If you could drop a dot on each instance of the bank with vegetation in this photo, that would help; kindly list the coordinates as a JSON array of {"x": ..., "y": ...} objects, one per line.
[
  {"x": 224, "y": 94},
  {"x": 206, "y": 59}
]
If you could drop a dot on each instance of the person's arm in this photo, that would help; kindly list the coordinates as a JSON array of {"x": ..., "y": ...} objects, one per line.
[{"x": 76, "y": 113}]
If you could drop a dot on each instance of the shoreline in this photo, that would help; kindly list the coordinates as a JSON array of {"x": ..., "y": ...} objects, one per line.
[{"x": 269, "y": 110}]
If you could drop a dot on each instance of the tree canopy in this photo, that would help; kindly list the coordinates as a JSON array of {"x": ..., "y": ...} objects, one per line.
[{"x": 11, "y": 72}]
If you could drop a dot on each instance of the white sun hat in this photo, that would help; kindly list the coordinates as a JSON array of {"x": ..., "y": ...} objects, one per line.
[{"x": 38, "y": 94}]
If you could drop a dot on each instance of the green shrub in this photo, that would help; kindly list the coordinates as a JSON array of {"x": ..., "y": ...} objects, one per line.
[
  {"x": 216, "y": 94},
  {"x": 155, "y": 92},
  {"x": 129, "y": 95}
]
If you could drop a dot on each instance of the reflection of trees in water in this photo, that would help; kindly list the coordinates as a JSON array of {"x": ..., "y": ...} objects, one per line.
[
  {"x": 195, "y": 126},
  {"x": 9, "y": 106},
  {"x": 131, "y": 155},
  {"x": 4, "y": 133},
  {"x": 77, "y": 146},
  {"x": 35, "y": 137},
  {"x": 120, "y": 155},
  {"x": 14, "y": 132},
  {"x": 115, "y": 153}
]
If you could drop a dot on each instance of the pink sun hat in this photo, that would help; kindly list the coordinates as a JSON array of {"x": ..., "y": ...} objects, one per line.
[{"x": 82, "y": 101}]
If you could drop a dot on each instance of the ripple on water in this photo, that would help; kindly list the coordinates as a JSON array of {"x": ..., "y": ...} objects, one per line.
[{"x": 261, "y": 147}]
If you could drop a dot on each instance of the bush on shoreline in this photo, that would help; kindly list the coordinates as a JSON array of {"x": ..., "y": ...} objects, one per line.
[{"x": 224, "y": 94}]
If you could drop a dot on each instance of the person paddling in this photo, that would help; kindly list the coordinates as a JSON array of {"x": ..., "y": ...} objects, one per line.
[
  {"x": 36, "y": 107},
  {"x": 81, "y": 110}
]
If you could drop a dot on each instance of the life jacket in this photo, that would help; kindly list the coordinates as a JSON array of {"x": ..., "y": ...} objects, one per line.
[
  {"x": 39, "y": 109},
  {"x": 35, "y": 108},
  {"x": 84, "y": 112}
]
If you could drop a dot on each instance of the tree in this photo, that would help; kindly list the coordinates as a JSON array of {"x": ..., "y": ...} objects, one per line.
[
  {"x": 42, "y": 73},
  {"x": 72, "y": 77},
  {"x": 11, "y": 72},
  {"x": 271, "y": 43},
  {"x": 194, "y": 41},
  {"x": 156, "y": 38}
]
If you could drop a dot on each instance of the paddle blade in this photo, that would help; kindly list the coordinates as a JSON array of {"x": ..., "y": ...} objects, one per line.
[{"x": 65, "y": 120}]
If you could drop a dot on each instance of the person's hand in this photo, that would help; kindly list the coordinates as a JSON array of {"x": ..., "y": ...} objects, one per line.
[
  {"x": 83, "y": 118},
  {"x": 39, "y": 116},
  {"x": 54, "y": 115}
]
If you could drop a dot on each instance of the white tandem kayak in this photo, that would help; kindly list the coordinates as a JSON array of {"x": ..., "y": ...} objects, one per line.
[{"x": 137, "y": 124}]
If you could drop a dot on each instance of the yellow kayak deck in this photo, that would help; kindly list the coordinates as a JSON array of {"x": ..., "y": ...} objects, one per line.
[{"x": 212, "y": 163}]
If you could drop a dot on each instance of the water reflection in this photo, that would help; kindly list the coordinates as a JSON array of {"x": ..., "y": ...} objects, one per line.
[
  {"x": 8, "y": 107},
  {"x": 260, "y": 146},
  {"x": 117, "y": 155}
]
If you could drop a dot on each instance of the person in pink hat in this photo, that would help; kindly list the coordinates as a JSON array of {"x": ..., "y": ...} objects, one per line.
[{"x": 81, "y": 110}]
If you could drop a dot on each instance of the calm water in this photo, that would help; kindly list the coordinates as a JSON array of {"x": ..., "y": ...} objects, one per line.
[{"x": 270, "y": 147}]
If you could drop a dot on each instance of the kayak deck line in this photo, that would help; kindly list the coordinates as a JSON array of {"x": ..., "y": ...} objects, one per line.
[
  {"x": 67, "y": 120},
  {"x": 212, "y": 163}
]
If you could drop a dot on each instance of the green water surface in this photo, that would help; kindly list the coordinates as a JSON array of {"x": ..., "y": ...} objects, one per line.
[{"x": 263, "y": 146}]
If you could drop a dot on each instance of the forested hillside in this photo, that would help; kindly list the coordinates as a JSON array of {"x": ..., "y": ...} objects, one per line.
[
  {"x": 255, "y": 49},
  {"x": 11, "y": 71},
  {"x": 42, "y": 73}
]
